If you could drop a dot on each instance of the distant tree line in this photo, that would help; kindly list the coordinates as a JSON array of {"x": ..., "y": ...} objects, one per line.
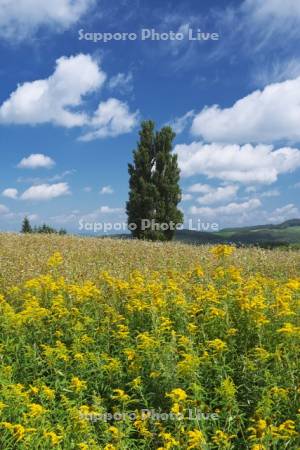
[{"x": 42, "y": 229}]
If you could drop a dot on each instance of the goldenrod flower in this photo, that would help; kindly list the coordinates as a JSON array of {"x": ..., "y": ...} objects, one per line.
[
  {"x": 54, "y": 438},
  {"x": 83, "y": 446},
  {"x": 222, "y": 439},
  {"x": 169, "y": 440},
  {"x": 120, "y": 395},
  {"x": 177, "y": 395},
  {"x": 289, "y": 329},
  {"x": 196, "y": 439},
  {"x": 55, "y": 260},
  {"x": 217, "y": 345},
  {"x": 222, "y": 250},
  {"x": 36, "y": 410},
  {"x": 77, "y": 384}
]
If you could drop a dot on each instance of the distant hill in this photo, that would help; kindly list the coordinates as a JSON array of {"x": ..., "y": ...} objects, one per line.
[{"x": 286, "y": 233}]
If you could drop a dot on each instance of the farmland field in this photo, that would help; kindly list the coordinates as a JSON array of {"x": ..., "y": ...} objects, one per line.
[{"x": 118, "y": 344}]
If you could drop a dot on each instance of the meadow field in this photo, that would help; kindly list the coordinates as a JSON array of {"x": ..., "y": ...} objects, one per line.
[{"x": 119, "y": 344}]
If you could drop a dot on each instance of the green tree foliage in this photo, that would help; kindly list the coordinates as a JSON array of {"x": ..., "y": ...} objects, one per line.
[
  {"x": 43, "y": 229},
  {"x": 154, "y": 184},
  {"x": 26, "y": 227}
]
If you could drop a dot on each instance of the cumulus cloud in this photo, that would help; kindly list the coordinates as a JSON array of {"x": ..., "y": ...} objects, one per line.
[
  {"x": 264, "y": 116},
  {"x": 211, "y": 195},
  {"x": 186, "y": 197},
  {"x": 22, "y": 18},
  {"x": 218, "y": 195},
  {"x": 59, "y": 100},
  {"x": 231, "y": 209},
  {"x": 199, "y": 188},
  {"x": 247, "y": 164},
  {"x": 111, "y": 119},
  {"x": 49, "y": 100},
  {"x": 52, "y": 100},
  {"x": 36, "y": 161},
  {"x": 281, "y": 214},
  {"x": 46, "y": 191},
  {"x": 10, "y": 193},
  {"x": 106, "y": 190}
]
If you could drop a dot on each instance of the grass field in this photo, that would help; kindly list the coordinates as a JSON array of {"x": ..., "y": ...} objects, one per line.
[{"x": 94, "y": 332}]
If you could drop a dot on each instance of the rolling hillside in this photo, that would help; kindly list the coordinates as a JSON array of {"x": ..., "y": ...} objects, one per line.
[{"x": 286, "y": 233}]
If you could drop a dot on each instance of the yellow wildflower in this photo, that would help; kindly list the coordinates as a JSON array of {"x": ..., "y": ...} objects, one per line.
[
  {"x": 77, "y": 384},
  {"x": 54, "y": 438},
  {"x": 120, "y": 395},
  {"x": 289, "y": 329},
  {"x": 36, "y": 410},
  {"x": 177, "y": 395},
  {"x": 196, "y": 439},
  {"x": 223, "y": 440},
  {"x": 55, "y": 260},
  {"x": 217, "y": 345},
  {"x": 222, "y": 250}
]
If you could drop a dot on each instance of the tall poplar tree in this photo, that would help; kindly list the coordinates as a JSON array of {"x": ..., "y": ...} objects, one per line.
[
  {"x": 166, "y": 177},
  {"x": 154, "y": 184}
]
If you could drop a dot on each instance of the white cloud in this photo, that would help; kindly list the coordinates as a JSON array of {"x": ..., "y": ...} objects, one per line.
[
  {"x": 87, "y": 189},
  {"x": 3, "y": 209},
  {"x": 245, "y": 164},
  {"x": 22, "y": 18},
  {"x": 286, "y": 212},
  {"x": 33, "y": 217},
  {"x": 228, "y": 210},
  {"x": 257, "y": 191},
  {"x": 112, "y": 118},
  {"x": 211, "y": 195},
  {"x": 61, "y": 176},
  {"x": 264, "y": 116},
  {"x": 275, "y": 12},
  {"x": 54, "y": 99},
  {"x": 199, "y": 188},
  {"x": 276, "y": 71},
  {"x": 36, "y": 161},
  {"x": 49, "y": 100},
  {"x": 251, "y": 189},
  {"x": 46, "y": 191},
  {"x": 186, "y": 197},
  {"x": 106, "y": 190},
  {"x": 108, "y": 209},
  {"x": 121, "y": 82},
  {"x": 218, "y": 195},
  {"x": 268, "y": 23},
  {"x": 271, "y": 193},
  {"x": 43, "y": 180},
  {"x": 179, "y": 124},
  {"x": 10, "y": 193}
]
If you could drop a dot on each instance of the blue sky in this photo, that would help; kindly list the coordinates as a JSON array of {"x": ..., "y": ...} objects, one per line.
[{"x": 70, "y": 108}]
